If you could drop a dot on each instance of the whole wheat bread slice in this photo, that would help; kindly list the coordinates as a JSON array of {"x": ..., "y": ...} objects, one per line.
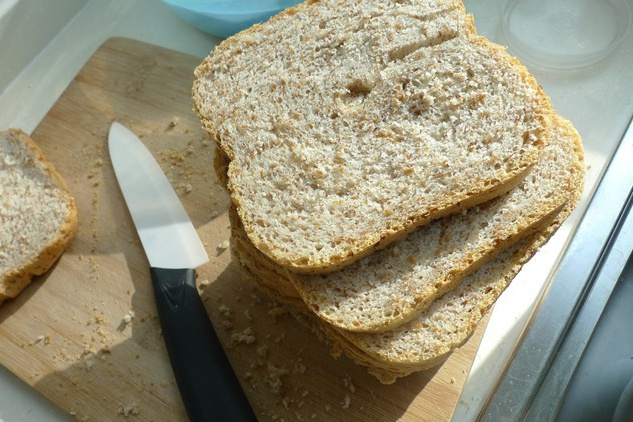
[
  {"x": 350, "y": 124},
  {"x": 38, "y": 214}
]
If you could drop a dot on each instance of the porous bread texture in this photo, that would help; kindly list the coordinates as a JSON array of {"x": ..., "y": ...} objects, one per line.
[
  {"x": 450, "y": 320},
  {"x": 38, "y": 214},
  {"x": 395, "y": 284},
  {"x": 350, "y": 124}
]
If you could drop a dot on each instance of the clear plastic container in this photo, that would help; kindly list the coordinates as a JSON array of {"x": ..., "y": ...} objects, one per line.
[{"x": 565, "y": 34}]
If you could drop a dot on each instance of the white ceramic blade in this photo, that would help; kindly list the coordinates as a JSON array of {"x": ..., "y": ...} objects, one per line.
[{"x": 168, "y": 237}]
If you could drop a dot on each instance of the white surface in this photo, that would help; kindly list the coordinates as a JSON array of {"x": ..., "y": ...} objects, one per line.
[{"x": 597, "y": 100}]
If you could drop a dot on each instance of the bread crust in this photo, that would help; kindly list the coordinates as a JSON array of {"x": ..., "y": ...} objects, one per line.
[{"x": 13, "y": 281}]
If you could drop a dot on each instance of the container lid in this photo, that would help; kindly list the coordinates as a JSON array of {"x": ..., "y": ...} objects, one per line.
[{"x": 565, "y": 34}]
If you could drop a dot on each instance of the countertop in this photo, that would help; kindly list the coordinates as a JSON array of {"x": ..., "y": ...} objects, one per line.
[{"x": 44, "y": 44}]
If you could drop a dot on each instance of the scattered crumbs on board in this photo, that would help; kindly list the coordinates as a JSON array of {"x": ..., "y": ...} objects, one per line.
[{"x": 131, "y": 409}]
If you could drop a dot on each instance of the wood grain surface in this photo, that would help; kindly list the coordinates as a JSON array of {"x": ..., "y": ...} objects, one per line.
[{"x": 86, "y": 333}]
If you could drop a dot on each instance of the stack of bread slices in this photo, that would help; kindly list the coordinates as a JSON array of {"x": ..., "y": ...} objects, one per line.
[{"x": 390, "y": 171}]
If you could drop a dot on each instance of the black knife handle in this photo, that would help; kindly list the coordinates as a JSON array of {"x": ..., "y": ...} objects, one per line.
[{"x": 208, "y": 386}]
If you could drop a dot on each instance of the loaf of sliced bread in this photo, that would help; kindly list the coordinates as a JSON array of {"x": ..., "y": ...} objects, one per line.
[
  {"x": 38, "y": 214},
  {"x": 448, "y": 322},
  {"x": 350, "y": 124}
]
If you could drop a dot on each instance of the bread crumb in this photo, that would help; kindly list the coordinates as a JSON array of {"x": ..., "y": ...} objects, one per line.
[
  {"x": 127, "y": 318},
  {"x": 278, "y": 311},
  {"x": 274, "y": 378},
  {"x": 174, "y": 122},
  {"x": 347, "y": 382},
  {"x": 346, "y": 402},
  {"x": 452, "y": 380},
  {"x": 223, "y": 246},
  {"x": 246, "y": 336},
  {"x": 225, "y": 311},
  {"x": 247, "y": 315},
  {"x": 128, "y": 410},
  {"x": 299, "y": 367},
  {"x": 279, "y": 338},
  {"x": 262, "y": 351}
]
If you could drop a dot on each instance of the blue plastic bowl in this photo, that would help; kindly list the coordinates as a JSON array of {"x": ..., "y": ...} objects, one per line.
[{"x": 223, "y": 18}]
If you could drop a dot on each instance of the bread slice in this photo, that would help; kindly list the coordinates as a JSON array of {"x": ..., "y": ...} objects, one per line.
[
  {"x": 38, "y": 214},
  {"x": 542, "y": 195},
  {"x": 350, "y": 124}
]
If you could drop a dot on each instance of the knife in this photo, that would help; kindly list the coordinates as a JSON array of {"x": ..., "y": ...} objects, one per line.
[{"x": 208, "y": 386}]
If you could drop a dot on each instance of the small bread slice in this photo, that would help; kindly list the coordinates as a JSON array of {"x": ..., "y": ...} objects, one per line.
[
  {"x": 349, "y": 126},
  {"x": 38, "y": 214},
  {"x": 393, "y": 285}
]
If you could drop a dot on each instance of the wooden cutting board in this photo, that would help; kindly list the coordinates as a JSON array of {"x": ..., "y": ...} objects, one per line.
[{"x": 86, "y": 333}]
